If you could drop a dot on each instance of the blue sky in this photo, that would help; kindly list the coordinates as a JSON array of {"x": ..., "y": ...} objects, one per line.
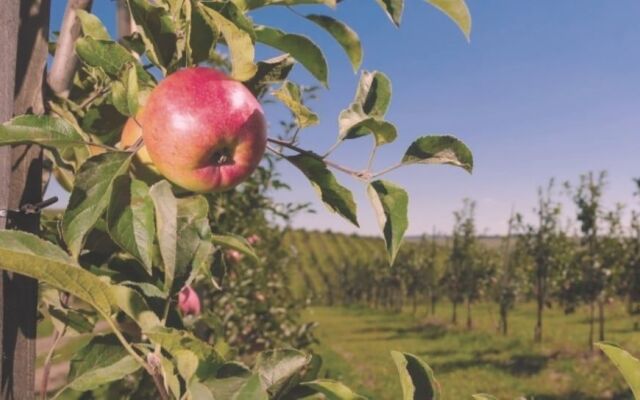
[{"x": 544, "y": 89}]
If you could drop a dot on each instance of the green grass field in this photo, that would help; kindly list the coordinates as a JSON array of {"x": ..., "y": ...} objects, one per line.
[{"x": 355, "y": 345}]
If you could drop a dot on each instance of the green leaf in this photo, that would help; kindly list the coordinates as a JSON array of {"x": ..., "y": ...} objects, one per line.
[
  {"x": 166, "y": 206},
  {"x": 299, "y": 47},
  {"x": 194, "y": 249},
  {"x": 133, "y": 90},
  {"x": 333, "y": 390},
  {"x": 158, "y": 32},
  {"x": 251, "y": 389},
  {"x": 187, "y": 364},
  {"x": 483, "y": 396},
  {"x": 364, "y": 115},
  {"x": 91, "y": 25},
  {"x": 458, "y": 11},
  {"x": 71, "y": 318},
  {"x": 279, "y": 368},
  {"x": 289, "y": 95},
  {"x": 175, "y": 340},
  {"x": 52, "y": 133},
  {"x": 134, "y": 305},
  {"x": 274, "y": 70},
  {"x": 239, "y": 43},
  {"x": 439, "y": 149},
  {"x": 390, "y": 203},
  {"x": 416, "y": 377},
  {"x": 29, "y": 255},
  {"x": 253, "y": 4},
  {"x": 627, "y": 364},
  {"x": 102, "y": 361},
  {"x": 344, "y": 35},
  {"x": 383, "y": 132},
  {"x": 108, "y": 55},
  {"x": 90, "y": 196},
  {"x": 130, "y": 219},
  {"x": 393, "y": 8},
  {"x": 373, "y": 93},
  {"x": 200, "y": 391},
  {"x": 336, "y": 197},
  {"x": 202, "y": 36},
  {"x": 235, "y": 242},
  {"x": 233, "y": 13}
]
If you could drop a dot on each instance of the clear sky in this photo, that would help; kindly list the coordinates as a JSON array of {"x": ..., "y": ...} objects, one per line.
[{"x": 544, "y": 89}]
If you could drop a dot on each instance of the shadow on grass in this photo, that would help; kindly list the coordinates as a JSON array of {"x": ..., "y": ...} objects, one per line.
[
  {"x": 622, "y": 395},
  {"x": 427, "y": 331},
  {"x": 517, "y": 365}
]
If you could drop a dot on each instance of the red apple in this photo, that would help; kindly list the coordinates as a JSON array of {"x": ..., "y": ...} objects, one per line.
[
  {"x": 188, "y": 301},
  {"x": 203, "y": 130}
]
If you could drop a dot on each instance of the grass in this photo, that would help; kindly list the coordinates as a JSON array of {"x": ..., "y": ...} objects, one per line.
[{"x": 355, "y": 345}]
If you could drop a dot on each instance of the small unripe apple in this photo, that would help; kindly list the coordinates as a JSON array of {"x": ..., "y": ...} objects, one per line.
[
  {"x": 254, "y": 239},
  {"x": 203, "y": 130},
  {"x": 130, "y": 135},
  {"x": 234, "y": 256},
  {"x": 188, "y": 301}
]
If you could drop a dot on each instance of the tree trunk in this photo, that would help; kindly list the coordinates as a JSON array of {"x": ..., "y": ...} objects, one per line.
[
  {"x": 415, "y": 304},
  {"x": 601, "y": 320},
  {"x": 24, "y": 27},
  {"x": 469, "y": 320},
  {"x": 433, "y": 305},
  {"x": 454, "y": 314},
  {"x": 591, "y": 321},
  {"x": 537, "y": 333},
  {"x": 503, "y": 320}
]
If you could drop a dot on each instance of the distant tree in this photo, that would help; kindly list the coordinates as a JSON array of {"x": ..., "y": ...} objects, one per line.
[
  {"x": 541, "y": 242},
  {"x": 629, "y": 283},
  {"x": 459, "y": 275},
  {"x": 587, "y": 196},
  {"x": 508, "y": 279}
]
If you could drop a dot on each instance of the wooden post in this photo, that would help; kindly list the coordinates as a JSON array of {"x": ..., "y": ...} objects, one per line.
[
  {"x": 23, "y": 43},
  {"x": 9, "y": 14}
]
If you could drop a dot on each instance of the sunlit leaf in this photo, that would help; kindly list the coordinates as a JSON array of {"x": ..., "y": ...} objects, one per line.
[
  {"x": 336, "y": 197},
  {"x": 416, "y": 377},
  {"x": 333, "y": 390},
  {"x": 52, "y": 133},
  {"x": 458, "y": 11},
  {"x": 91, "y": 25},
  {"x": 439, "y": 149},
  {"x": 289, "y": 95},
  {"x": 393, "y": 8},
  {"x": 239, "y": 43},
  {"x": 344, "y": 35},
  {"x": 299, "y": 47},
  {"x": 390, "y": 203},
  {"x": 628, "y": 365}
]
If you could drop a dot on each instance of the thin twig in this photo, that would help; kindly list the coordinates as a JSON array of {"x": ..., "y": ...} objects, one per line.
[
  {"x": 357, "y": 174},
  {"x": 387, "y": 170},
  {"x": 94, "y": 95},
  {"x": 47, "y": 362},
  {"x": 372, "y": 155},
  {"x": 332, "y": 149}
]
